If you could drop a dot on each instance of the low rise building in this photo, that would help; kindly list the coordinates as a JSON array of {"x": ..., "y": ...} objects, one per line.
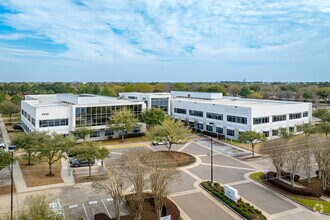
[
  {"x": 228, "y": 116},
  {"x": 64, "y": 113}
]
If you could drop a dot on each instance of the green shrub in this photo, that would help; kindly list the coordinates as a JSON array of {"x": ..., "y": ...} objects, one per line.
[{"x": 244, "y": 209}]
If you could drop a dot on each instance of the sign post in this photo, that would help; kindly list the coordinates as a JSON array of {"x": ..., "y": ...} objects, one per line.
[{"x": 231, "y": 193}]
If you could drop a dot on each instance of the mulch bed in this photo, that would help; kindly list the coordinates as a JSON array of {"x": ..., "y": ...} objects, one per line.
[
  {"x": 181, "y": 158},
  {"x": 315, "y": 184},
  {"x": 6, "y": 189}
]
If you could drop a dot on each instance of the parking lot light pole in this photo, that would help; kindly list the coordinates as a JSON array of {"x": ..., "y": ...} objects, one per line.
[
  {"x": 212, "y": 182},
  {"x": 11, "y": 184}
]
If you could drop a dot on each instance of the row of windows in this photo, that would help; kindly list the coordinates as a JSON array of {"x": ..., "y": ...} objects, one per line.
[
  {"x": 29, "y": 117},
  {"x": 263, "y": 120},
  {"x": 180, "y": 111},
  {"x": 196, "y": 113},
  {"x": 237, "y": 119},
  {"x": 294, "y": 116},
  {"x": 160, "y": 103},
  {"x": 214, "y": 116},
  {"x": 279, "y": 118},
  {"x": 53, "y": 123}
]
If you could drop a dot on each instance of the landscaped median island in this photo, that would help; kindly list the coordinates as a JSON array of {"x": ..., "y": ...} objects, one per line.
[
  {"x": 244, "y": 209},
  {"x": 181, "y": 159},
  {"x": 306, "y": 196}
]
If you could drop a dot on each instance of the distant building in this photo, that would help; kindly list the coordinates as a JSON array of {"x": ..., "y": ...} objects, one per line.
[
  {"x": 228, "y": 116},
  {"x": 161, "y": 100},
  {"x": 64, "y": 113}
]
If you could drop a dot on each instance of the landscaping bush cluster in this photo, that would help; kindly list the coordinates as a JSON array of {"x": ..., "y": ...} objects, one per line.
[
  {"x": 134, "y": 135},
  {"x": 287, "y": 176},
  {"x": 271, "y": 178},
  {"x": 244, "y": 209}
]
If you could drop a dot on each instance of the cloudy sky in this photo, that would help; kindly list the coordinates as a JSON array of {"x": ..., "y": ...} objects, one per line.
[{"x": 164, "y": 40}]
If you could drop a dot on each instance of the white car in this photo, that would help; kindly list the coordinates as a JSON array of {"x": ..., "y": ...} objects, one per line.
[
  {"x": 2, "y": 146},
  {"x": 158, "y": 143}
]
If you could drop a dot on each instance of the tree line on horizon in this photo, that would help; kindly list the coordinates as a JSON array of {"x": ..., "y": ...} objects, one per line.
[{"x": 311, "y": 91}]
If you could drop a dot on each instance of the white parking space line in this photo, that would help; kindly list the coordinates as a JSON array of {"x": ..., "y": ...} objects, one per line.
[
  {"x": 85, "y": 211},
  {"x": 73, "y": 206},
  {"x": 92, "y": 202},
  {"x": 106, "y": 208}
]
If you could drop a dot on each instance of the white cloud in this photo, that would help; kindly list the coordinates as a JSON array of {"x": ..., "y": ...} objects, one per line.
[{"x": 142, "y": 30}]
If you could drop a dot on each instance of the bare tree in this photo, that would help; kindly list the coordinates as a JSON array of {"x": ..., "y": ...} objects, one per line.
[
  {"x": 275, "y": 151},
  {"x": 111, "y": 183},
  {"x": 162, "y": 172},
  {"x": 135, "y": 173},
  {"x": 292, "y": 161}
]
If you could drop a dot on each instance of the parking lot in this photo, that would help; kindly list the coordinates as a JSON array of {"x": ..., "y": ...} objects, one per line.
[{"x": 88, "y": 209}]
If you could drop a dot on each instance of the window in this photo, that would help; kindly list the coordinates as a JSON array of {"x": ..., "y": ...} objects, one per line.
[
  {"x": 266, "y": 133},
  {"x": 209, "y": 128},
  {"x": 160, "y": 103},
  {"x": 279, "y": 118},
  {"x": 136, "y": 130},
  {"x": 214, "y": 116},
  {"x": 132, "y": 97},
  {"x": 257, "y": 121},
  {"x": 274, "y": 132},
  {"x": 180, "y": 111},
  {"x": 291, "y": 129},
  {"x": 230, "y": 132},
  {"x": 191, "y": 124},
  {"x": 196, "y": 113},
  {"x": 53, "y": 123},
  {"x": 294, "y": 116},
  {"x": 97, "y": 116},
  {"x": 200, "y": 126},
  {"x": 305, "y": 114},
  {"x": 237, "y": 119},
  {"x": 95, "y": 134},
  {"x": 219, "y": 130},
  {"x": 109, "y": 132}
]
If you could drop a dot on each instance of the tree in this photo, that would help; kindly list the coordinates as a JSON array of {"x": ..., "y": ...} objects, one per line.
[
  {"x": 324, "y": 93},
  {"x": 53, "y": 148},
  {"x": 308, "y": 129},
  {"x": 162, "y": 172},
  {"x": 292, "y": 161},
  {"x": 153, "y": 117},
  {"x": 7, "y": 107},
  {"x": 323, "y": 114},
  {"x": 5, "y": 159},
  {"x": 123, "y": 120},
  {"x": 170, "y": 132},
  {"x": 285, "y": 134},
  {"x": 111, "y": 183},
  {"x": 180, "y": 86},
  {"x": 83, "y": 132},
  {"x": 275, "y": 150},
  {"x": 90, "y": 152},
  {"x": 324, "y": 128},
  {"x": 245, "y": 92},
  {"x": 30, "y": 142},
  {"x": 251, "y": 137},
  {"x": 135, "y": 173}
]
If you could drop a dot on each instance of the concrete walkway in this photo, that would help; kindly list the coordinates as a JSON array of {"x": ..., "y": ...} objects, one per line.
[
  {"x": 66, "y": 173},
  {"x": 20, "y": 184}
]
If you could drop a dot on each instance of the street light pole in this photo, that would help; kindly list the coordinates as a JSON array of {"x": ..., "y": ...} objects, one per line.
[
  {"x": 212, "y": 182},
  {"x": 11, "y": 185}
]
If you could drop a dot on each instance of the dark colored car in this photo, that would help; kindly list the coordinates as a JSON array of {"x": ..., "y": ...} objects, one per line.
[
  {"x": 101, "y": 216},
  {"x": 18, "y": 127},
  {"x": 79, "y": 163}
]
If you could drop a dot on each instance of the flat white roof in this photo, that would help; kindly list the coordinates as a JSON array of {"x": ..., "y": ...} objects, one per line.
[
  {"x": 146, "y": 93},
  {"x": 52, "y": 100},
  {"x": 242, "y": 102}
]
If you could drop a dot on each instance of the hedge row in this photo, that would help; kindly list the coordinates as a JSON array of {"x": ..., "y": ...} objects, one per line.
[
  {"x": 244, "y": 209},
  {"x": 287, "y": 176},
  {"x": 271, "y": 178}
]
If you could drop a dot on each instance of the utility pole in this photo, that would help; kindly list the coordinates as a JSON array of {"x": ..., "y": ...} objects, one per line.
[
  {"x": 212, "y": 182},
  {"x": 11, "y": 184}
]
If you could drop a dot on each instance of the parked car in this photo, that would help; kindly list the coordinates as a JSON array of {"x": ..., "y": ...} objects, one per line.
[
  {"x": 18, "y": 126},
  {"x": 71, "y": 157},
  {"x": 2, "y": 145},
  {"x": 80, "y": 163},
  {"x": 158, "y": 143}
]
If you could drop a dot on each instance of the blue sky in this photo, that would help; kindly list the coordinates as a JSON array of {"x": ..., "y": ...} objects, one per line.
[{"x": 164, "y": 40}]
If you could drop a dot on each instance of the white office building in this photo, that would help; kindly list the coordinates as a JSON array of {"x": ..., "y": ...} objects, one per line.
[
  {"x": 210, "y": 112},
  {"x": 161, "y": 100},
  {"x": 228, "y": 116},
  {"x": 64, "y": 113}
]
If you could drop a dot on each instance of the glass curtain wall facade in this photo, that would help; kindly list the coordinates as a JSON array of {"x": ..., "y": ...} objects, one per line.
[
  {"x": 98, "y": 116},
  {"x": 160, "y": 103}
]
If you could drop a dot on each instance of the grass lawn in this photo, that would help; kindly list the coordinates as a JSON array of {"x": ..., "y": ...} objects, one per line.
[
  {"x": 128, "y": 140},
  {"x": 314, "y": 204},
  {"x": 242, "y": 145},
  {"x": 35, "y": 175},
  {"x": 258, "y": 176}
]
